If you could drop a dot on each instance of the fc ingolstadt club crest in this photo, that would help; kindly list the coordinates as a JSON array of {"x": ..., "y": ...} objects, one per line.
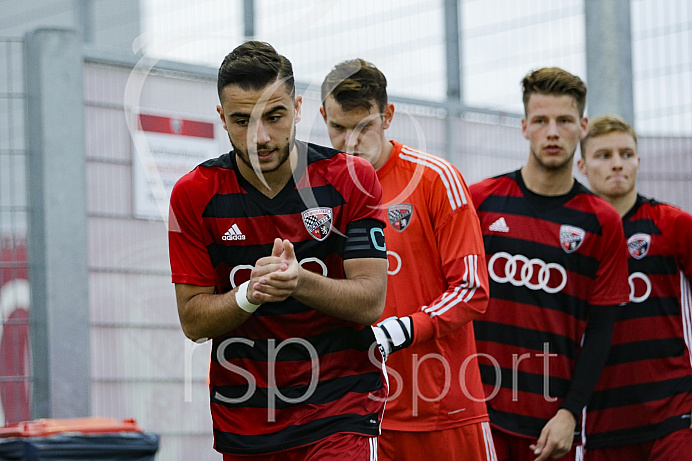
[
  {"x": 571, "y": 237},
  {"x": 400, "y": 215},
  {"x": 318, "y": 222},
  {"x": 638, "y": 245}
]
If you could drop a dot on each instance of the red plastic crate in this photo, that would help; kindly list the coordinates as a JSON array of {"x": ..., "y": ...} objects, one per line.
[{"x": 91, "y": 425}]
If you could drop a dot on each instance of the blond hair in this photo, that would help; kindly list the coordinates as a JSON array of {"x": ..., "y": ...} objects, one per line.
[{"x": 606, "y": 124}]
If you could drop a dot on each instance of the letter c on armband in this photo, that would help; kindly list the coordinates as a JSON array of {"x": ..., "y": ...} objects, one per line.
[{"x": 373, "y": 236}]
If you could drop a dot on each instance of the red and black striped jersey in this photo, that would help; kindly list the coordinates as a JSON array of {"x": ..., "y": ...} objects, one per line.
[
  {"x": 551, "y": 261},
  {"x": 290, "y": 375},
  {"x": 645, "y": 390},
  {"x": 438, "y": 276}
]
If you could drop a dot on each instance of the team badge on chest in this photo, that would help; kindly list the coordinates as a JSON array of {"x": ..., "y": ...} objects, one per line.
[
  {"x": 571, "y": 237},
  {"x": 638, "y": 245},
  {"x": 399, "y": 215},
  {"x": 318, "y": 222}
]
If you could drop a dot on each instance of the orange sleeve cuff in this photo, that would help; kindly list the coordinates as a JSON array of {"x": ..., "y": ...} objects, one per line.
[{"x": 423, "y": 329}]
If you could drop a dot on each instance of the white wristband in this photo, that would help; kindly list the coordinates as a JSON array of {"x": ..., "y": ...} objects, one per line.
[{"x": 241, "y": 299}]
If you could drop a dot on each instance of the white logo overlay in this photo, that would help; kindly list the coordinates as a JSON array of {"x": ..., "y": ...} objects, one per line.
[
  {"x": 499, "y": 226},
  {"x": 534, "y": 274},
  {"x": 233, "y": 233}
]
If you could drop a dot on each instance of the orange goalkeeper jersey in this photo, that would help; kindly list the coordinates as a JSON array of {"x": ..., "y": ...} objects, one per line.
[{"x": 438, "y": 276}]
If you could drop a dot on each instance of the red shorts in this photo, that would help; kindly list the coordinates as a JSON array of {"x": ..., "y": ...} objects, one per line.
[
  {"x": 676, "y": 446},
  {"x": 472, "y": 442},
  {"x": 336, "y": 447},
  {"x": 514, "y": 448}
]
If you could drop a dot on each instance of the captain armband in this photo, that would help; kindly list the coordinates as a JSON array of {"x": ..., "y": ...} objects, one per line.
[{"x": 365, "y": 239}]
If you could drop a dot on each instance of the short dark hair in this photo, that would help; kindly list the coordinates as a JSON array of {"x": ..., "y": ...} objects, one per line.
[
  {"x": 606, "y": 124},
  {"x": 356, "y": 83},
  {"x": 557, "y": 82},
  {"x": 254, "y": 65}
]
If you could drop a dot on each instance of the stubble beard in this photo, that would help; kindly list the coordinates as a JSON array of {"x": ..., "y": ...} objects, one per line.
[
  {"x": 283, "y": 155},
  {"x": 552, "y": 167}
]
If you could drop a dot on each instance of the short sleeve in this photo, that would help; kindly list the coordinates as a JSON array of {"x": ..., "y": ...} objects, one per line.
[{"x": 189, "y": 258}]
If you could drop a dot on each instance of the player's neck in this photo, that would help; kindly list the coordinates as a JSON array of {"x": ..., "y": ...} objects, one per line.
[
  {"x": 624, "y": 203},
  {"x": 546, "y": 182},
  {"x": 385, "y": 153}
]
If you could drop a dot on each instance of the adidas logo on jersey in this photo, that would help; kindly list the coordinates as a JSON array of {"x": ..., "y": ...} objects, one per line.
[
  {"x": 233, "y": 234},
  {"x": 499, "y": 226}
]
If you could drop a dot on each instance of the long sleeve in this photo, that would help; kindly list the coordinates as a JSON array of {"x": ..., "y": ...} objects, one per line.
[{"x": 465, "y": 298}]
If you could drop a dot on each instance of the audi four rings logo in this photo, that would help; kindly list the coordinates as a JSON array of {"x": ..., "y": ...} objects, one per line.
[{"x": 534, "y": 274}]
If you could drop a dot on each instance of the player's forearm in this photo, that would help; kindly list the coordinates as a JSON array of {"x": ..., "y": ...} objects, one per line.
[
  {"x": 357, "y": 299},
  {"x": 206, "y": 316},
  {"x": 465, "y": 300},
  {"x": 592, "y": 358},
  {"x": 429, "y": 325}
]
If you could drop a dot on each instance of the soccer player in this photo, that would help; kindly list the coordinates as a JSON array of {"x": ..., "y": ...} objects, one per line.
[
  {"x": 640, "y": 410},
  {"x": 278, "y": 255},
  {"x": 437, "y": 279},
  {"x": 555, "y": 261}
]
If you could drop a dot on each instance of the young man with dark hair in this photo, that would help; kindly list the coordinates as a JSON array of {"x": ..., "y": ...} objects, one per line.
[
  {"x": 437, "y": 279},
  {"x": 278, "y": 255},
  {"x": 640, "y": 410},
  {"x": 556, "y": 266}
]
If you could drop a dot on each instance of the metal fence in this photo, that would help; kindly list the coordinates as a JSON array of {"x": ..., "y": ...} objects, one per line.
[
  {"x": 15, "y": 372},
  {"x": 143, "y": 366}
]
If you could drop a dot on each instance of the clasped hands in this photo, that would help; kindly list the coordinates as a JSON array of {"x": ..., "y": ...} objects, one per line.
[{"x": 274, "y": 278}]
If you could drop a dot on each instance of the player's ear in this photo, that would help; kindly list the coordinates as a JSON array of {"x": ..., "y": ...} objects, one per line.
[
  {"x": 582, "y": 166},
  {"x": 298, "y": 104},
  {"x": 584, "y": 127},
  {"x": 387, "y": 115},
  {"x": 523, "y": 128},
  {"x": 219, "y": 109}
]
